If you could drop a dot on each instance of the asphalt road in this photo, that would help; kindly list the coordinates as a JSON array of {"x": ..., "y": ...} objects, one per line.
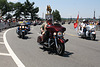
[{"x": 78, "y": 52}]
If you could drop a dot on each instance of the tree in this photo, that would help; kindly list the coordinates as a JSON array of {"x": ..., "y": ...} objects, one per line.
[
  {"x": 11, "y": 6},
  {"x": 9, "y": 16},
  {"x": 18, "y": 9},
  {"x": 29, "y": 9},
  {"x": 56, "y": 15},
  {"x": 25, "y": 9},
  {"x": 6, "y": 7},
  {"x": 3, "y": 6}
]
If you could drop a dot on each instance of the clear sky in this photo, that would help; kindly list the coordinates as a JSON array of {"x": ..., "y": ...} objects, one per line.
[{"x": 68, "y": 8}]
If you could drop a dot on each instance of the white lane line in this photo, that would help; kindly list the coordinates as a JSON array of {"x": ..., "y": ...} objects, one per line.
[
  {"x": 13, "y": 55},
  {"x": 1, "y": 42},
  {"x": 72, "y": 35},
  {"x": 5, "y": 54}
]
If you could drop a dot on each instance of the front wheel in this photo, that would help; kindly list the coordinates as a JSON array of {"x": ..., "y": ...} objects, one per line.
[
  {"x": 60, "y": 49},
  {"x": 23, "y": 35},
  {"x": 93, "y": 37}
]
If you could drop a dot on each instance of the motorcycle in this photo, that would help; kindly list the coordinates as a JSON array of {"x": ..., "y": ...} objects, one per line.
[
  {"x": 28, "y": 25},
  {"x": 22, "y": 31},
  {"x": 90, "y": 32},
  {"x": 55, "y": 39}
]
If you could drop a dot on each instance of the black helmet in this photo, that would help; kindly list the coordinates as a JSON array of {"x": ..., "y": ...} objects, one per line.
[{"x": 49, "y": 19}]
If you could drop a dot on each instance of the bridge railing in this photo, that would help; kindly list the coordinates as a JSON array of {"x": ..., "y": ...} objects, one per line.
[{"x": 5, "y": 25}]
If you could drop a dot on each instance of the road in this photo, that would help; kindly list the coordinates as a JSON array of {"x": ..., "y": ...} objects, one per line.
[{"x": 78, "y": 52}]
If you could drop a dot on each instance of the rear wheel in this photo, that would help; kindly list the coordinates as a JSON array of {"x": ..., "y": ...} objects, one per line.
[
  {"x": 39, "y": 39},
  {"x": 60, "y": 49}
]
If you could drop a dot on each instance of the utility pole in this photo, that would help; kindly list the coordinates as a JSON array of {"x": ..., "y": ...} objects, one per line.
[{"x": 94, "y": 17}]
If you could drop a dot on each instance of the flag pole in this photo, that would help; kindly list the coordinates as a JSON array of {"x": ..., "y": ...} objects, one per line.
[{"x": 78, "y": 23}]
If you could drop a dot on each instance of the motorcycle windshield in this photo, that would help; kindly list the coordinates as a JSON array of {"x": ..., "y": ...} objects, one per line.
[{"x": 56, "y": 28}]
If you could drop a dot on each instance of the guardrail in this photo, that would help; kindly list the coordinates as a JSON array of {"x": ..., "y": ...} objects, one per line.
[
  {"x": 97, "y": 27},
  {"x": 5, "y": 25}
]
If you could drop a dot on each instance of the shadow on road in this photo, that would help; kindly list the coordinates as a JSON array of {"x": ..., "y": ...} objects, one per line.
[
  {"x": 89, "y": 39},
  {"x": 30, "y": 33},
  {"x": 25, "y": 38},
  {"x": 66, "y": 53},
  {"x": 48, "y": 50}
]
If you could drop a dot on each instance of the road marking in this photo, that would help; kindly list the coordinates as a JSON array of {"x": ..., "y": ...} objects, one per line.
[
  {"x": 5, "y": 54},
  {"x": 13, "y": 55},
  {"x": 71, "y": 35},
  {"x": 1, "y": 42}
]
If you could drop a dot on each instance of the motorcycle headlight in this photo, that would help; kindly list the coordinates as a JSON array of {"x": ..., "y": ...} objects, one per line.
[
  {"x": 63, "y": 34},
  {"x": 60, "y": 34},
  {"x": 19, "y": 26},
  {"x": 25, "y": 27},
  {"x": 54, "y": 33},
  {"x": 22, "y": 26}
]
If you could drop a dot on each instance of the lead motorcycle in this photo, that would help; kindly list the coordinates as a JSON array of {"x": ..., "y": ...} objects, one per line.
[
  {"x": 55, "y": 39},
  {"x": 22, "y": 31}
]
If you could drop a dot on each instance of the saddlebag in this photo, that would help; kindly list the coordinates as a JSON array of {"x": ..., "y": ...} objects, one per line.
[{"x": 39, "y": 39}]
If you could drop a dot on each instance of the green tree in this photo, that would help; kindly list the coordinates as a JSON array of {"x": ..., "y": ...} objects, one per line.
[
  {"x": 26, "y": 9},
  {"x": 29, "y": 9},
  {"x": 11, "y": 6},
  {"x": 18, "y": 9},
  {"x": 4, "y": 6},
  {"x": 9, "y": 16},
  {"x": 56, "y": 15}
]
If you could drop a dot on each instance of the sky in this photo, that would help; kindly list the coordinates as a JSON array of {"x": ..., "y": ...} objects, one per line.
[{"x": 68, "y": 8}]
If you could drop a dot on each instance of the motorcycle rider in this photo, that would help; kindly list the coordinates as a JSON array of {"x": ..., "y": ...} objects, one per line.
[
  {"x": 83, "y": 25},
  {"x": 44, "y": 32}
]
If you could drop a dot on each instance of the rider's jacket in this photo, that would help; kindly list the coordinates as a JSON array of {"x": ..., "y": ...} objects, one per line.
[{"x": 83, "y": 24}]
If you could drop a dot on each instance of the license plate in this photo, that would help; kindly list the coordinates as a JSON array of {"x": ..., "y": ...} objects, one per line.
[{"x": 23, "y": 30}]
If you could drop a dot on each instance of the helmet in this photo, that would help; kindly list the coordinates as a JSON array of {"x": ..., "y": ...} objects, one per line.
[
  {"x": 56, "y": 20},
  {"x": 49, "y": 19},
  {"x": 85, "y": 20}
]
